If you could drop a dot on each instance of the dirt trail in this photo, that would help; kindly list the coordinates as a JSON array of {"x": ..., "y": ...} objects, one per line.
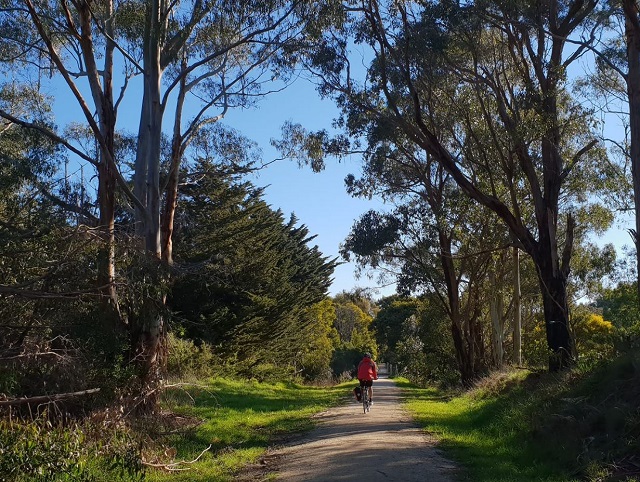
[{"x": 382, "y": 445}]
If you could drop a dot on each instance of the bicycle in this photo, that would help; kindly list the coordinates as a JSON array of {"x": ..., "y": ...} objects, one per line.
[{"x": 366, "y": 403}]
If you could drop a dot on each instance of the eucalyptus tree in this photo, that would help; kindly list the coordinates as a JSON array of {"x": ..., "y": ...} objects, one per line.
[
  {"x": 216, "y": 54},
  {"x": 355, "y": 311},
  {"x": 47, "y": 264},
  {"x": 482, "y": 89},
  {"x": 27, "y": 160},
  {"x": 437, "y": 244},
  {"x": 40, "y": 38},
  {"x": 436, "y": 239},
  {"x": 425, "y": 348}
]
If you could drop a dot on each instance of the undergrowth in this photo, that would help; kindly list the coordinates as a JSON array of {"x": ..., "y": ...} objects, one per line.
[
  {"x": 202, "y": 433},
  {"x": 525, "y": 426},
  {"x": 41, "y": 451}
]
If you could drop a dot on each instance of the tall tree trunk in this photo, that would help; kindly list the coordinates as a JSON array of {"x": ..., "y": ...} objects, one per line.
[
  {"x": 168, "y": 217},
  {"x": 556, "y": 315},
  {"x": 106, "y": 256},
  {"x": 171, "y": 194},
  {"x": 140, "y": 171},
  {"x": 495, "y": 308},
  {"x": 632, "y": 32},
  {"x": 464, "y": 340},
  {"x": 101, "y": 86},
  {"x": 517, "y": 310},
  {"x": 107, "y": 189},
  {"x": 148, "y": 337}
]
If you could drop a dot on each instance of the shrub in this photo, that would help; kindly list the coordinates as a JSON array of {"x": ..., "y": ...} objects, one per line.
[
  {"x": 535, "y": 350},
  {"x": 186, "y": 359},
  {"x": 40, "y": 451},
  {"x": 620, "y": 306},
  {"x": 594, "y": 337},
  {"x": 345, "y": 359}
]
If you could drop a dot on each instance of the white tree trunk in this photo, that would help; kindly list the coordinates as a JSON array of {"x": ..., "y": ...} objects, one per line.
[
  {"x": 496, "y": 321},
  {"x": 517, "y": 310}
]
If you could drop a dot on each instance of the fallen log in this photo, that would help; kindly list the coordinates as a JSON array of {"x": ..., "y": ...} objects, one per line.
[{"x": 47, "y": 398}]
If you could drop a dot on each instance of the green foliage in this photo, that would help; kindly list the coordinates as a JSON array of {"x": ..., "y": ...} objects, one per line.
[
  {"x": 353, "y": 322},
  {"x": 315, "y": 359},
  {"x": 535, "y": 350},
  {"x": 620, "y": 306},
  {"x": 40, "y": 451},
  {"x": 254, "y": 274},
  {"x": 55, "y": 339},
  {"x": 594, "y": 337},
  {"x": 425, "y": 352},
  {"x": 188, "y": 360},
  {"x": 590, "y": 268},
  {"x": 448, "y": 123},
  {"x": 394, "y": 310},
  {"x": 344, "y": 362},
  {"x": 413, "y": 360},
  {"x": 263, "y": 278},
  {"x": 354, "y": 336}
]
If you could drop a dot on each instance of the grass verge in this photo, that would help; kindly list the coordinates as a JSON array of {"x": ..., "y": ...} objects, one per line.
[
  {"x": 521, "y": 426},
  {"x": 239, "y": 420}
]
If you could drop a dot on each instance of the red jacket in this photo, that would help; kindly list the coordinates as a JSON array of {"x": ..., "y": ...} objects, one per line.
[{"x": 367, "y": 369}]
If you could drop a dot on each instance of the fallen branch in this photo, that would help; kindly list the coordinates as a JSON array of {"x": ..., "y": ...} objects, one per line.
[
  {"x": 30, "y": 355},
  {"x": 47, "y": 398},
  {"x": 37, "y": 295}
]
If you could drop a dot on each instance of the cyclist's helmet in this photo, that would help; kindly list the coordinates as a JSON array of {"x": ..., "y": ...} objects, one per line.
[{"x": 367, "y": 355}]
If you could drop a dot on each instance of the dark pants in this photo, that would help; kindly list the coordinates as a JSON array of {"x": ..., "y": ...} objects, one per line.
[{"x": 368, "y": 384}]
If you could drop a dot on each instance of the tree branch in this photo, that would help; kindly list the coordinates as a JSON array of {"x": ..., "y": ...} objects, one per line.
[
  {"x": 47, "y": 398},
  {"x": 50, "y": 134}
]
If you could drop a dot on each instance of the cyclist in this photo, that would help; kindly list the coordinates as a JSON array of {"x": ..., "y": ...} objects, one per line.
[{"x": 367, "y": 372}]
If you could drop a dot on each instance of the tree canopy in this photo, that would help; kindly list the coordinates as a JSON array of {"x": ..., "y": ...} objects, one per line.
[{"x": 480, "y": 89}]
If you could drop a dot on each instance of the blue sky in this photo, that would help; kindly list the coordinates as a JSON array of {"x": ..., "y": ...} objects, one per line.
[{"x": 319, "y": 200}]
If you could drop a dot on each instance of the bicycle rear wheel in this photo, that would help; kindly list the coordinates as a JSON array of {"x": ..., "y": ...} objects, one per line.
[{"x": 365, "y": 399}]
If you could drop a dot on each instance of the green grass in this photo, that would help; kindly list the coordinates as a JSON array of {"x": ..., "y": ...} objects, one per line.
[
  {"x": 239, "y": 420},
  {"x": 224, "y": 424},
  {"x": 521, "y": 426},
  {"x": 484, "y": 435}
]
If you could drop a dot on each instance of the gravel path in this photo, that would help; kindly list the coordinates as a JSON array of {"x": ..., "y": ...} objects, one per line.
[{"x": 382, "y": 445}]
